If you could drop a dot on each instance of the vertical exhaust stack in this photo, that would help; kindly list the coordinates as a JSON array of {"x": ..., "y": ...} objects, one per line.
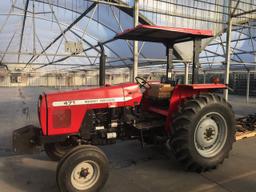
[{"x": 102, "y": 69}]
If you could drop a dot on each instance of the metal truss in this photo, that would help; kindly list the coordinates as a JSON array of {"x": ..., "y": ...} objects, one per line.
[
  {"x": 238, "y": 13},
  {"x": 63, "y": 32},
  {"x": 127, "y": 9},
  {"x": 235, "y": 51},
  {"x": 23, "y": 27}
]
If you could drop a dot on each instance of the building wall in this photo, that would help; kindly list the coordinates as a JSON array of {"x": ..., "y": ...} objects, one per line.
[{"x": 61, "y": 80}]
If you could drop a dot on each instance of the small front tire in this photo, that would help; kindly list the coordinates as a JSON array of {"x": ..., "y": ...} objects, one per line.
[{"x": 85, "y": 169}]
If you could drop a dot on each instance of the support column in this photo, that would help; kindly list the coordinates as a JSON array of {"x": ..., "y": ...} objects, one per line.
[
  {"x": 204, "y": 77},
  {"x": 248, "y": 87},
  {"x": 196, "y": 64},
  {"x": 47, "y": 80},
  {"x": 131, "y": 73},
  {"x": 136, "y": 43},
  {"x": 169, "y": 66},
  {"x": 228, "y": 51},
  {"x": 186, "y": 73}
]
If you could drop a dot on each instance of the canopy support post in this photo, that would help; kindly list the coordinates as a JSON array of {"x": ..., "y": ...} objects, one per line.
[
  {"x": 135, "y": 43},
  {"x": 248, "y": 87},
  {"x": 186, "y": 73},
  {"x": 196, "y": 64},
  {"x": 169, "y": 66},
  {"x": 228, "y": 50}
]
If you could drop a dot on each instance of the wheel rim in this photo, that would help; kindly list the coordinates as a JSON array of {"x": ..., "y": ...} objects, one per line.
[
  {"x": 85, "y": 175},
  {"x": 210, "y": 134}
]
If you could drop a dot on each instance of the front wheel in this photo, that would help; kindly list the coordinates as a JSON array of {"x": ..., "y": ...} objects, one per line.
[
  {"x": 84, "y": 169},
  {"x": 204, "y": 131}
]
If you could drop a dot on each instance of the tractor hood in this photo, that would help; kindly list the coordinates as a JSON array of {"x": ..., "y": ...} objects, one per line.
[
  {"x": 77, "y": 102},
  {"x": 95, "y": 92}
]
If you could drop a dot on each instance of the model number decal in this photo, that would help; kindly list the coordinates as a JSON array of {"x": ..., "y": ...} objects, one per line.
[
  {"x": 90, "y": 101},
  {"x": 67, "y": 103}
]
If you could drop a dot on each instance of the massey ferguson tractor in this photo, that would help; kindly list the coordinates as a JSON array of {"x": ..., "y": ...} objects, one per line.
[{"x": 195, "y": 122}]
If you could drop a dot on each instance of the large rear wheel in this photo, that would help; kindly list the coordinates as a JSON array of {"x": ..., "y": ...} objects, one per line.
[
  {"x": 204, "y": 131},
  {"x": 84, "y": 169}
]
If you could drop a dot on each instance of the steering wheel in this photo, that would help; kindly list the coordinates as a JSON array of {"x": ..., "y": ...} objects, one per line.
[{"x": 142, "y": 82}]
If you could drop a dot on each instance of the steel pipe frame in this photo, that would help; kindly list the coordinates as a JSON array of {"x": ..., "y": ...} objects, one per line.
[
  {"x": 216, "y": 4},
  {"x": 8, "y": 15},
  {"x": 7, "y": 48},
  {"x": 130, "y": 46},
  {"x": 242, "y": 39},
  {"x": 71, "y": 25},
  {"x": 244, "y": 13},
  {"x": 122, "y": 5},
  {"x": 236, "y": 53},
  {"x": 57, "y": 21},
  {"x": 135, "y": 43},
  {"x": 233, "y": 48},
  {"x": 162, "y": 63},
  {"x": 23, "y": 27},
  {"x": 142, "y": 20},
  {"x": 92, "y": 47},
  {"x": 37, "y": 17},
  {"x": 148, "y": 60},
  {"x": 65, "y": 30},
  {"x": 178, "y": 71},
  {"x": 216, "y": 54},
  {"x": 228, "y": 47},
  {"x": 184, "y": 16},
  {"x": 250, "y": 37},
  {"x": 121, "y": 28},
  {"x": 186, "y": 70},
  {"x": 196, "y": 64},
  {"x": 248, "y": 87}
]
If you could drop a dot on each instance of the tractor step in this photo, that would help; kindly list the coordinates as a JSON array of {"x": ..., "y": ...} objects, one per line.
[{"x": 148, "y": 125}]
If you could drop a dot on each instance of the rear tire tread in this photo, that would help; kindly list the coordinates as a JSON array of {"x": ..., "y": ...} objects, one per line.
[{"x": 181, "y": 121}]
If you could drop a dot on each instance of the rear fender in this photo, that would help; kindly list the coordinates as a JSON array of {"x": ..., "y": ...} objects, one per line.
[{"x": 181, "y": 92}]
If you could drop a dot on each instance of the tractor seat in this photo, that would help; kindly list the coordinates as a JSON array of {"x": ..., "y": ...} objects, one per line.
[{"x": 160, "y": 91}]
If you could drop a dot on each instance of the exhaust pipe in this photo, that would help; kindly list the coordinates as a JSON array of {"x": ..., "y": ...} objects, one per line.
[{"x": 102, "y": 69}]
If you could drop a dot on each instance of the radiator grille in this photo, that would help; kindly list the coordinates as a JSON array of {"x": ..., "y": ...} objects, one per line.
[{"x": 62, "y": 118}]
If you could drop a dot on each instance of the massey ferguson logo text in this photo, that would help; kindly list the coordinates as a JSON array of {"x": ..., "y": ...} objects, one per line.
[{"x": 89, "y": 101}]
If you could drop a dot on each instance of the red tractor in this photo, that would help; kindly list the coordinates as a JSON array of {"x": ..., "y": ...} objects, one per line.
[{"x": 196, "y": 123}]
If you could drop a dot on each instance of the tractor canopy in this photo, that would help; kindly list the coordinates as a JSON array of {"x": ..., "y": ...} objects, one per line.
[
  {"x": 170, "y": 36},
  {"x": 163, "y": 34}
]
